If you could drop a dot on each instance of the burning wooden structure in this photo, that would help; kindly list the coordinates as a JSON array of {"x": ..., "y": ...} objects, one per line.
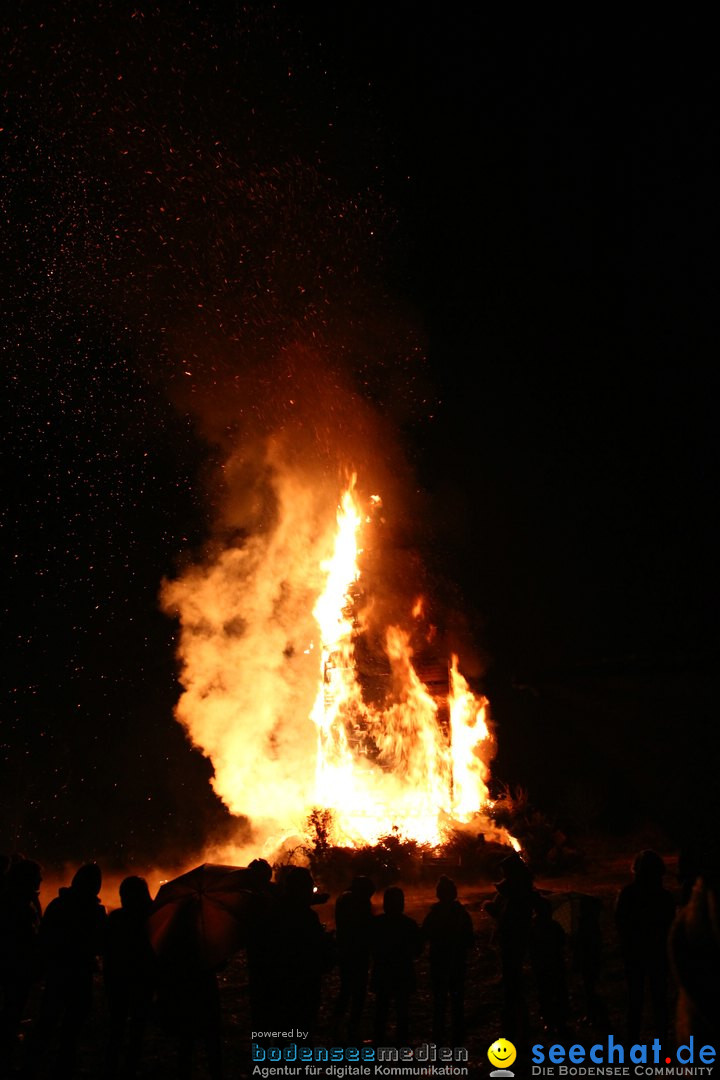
[{"x": 400, "y": 742}]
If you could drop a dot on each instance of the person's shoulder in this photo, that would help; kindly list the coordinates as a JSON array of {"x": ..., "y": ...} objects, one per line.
[
  {"x": 307, "y": 916},
  {"x": 56, "y": 905}
]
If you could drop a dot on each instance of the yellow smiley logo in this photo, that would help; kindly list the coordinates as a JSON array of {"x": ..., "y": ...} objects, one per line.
[{"x": 502, "y": 1053}]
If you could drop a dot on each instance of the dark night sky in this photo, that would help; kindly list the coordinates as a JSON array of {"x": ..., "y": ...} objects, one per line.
[{"x": 537, "y": 204}]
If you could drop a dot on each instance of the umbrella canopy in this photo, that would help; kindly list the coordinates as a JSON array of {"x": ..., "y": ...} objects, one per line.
[{"x": 202, "y": 917}]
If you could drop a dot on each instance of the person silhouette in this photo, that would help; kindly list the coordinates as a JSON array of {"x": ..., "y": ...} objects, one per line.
[
  {"x": 396, "y": 944},
  {"x": 694, "y": 947},
  {"x": 449, "y": 930},
  {"x": 129, "y": 973},
  {"x": 512, "y": 908},
  {"x": 689, "y": 866},
  {"x": 71, "y": 940},
  {"x": 20, "y": 915},
  {"x": 644, "y": 913},
  {"x": 303, "y": 950},
  {"x": 188, "y": 1008},
  {"x": 587, "y": 955},
  {"x": 547, "y": 956},
  {"x": 288, "y": 952},
  {"x": 353, "y": 936},
  {"x": 260, "y": 877}
]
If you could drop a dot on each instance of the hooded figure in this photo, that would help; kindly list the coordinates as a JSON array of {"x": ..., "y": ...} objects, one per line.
[{"x": 71, "y": 939}]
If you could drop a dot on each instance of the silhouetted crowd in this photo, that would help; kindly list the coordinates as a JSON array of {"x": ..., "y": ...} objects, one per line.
[{"x": 52, "y": 959}]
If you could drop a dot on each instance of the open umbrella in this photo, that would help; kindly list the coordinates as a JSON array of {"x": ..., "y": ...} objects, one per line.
[{"x": 202, "y": 917}]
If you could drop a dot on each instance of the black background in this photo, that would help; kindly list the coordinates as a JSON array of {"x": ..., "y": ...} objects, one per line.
[{"x": 532, "y": 206}]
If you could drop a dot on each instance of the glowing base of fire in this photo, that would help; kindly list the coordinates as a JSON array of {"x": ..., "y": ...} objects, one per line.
[
  {"x": 368, "y": 829},
  {"x": 371, "y": 805},
  {"x": 328, "y": 828},
  {"x": 354, "y": 827}
]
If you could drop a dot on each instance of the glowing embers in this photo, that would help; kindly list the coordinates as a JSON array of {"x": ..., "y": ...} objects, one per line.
[{"x": 415, "y": 763}]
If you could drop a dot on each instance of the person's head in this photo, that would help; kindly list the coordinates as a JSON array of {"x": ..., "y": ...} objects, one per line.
[
  {"x": 24, "y": 877},
  {"x": 261, "y": 872},
  {"x": 362, "y": 886},
  {"x": 87, "y": 880},
  {"x": 297, "y": 886},
  {"x": 135, "y": 894},
  {"x": 514, "y": 870},
  {"x": 393, "y": 901},
  {"x": 446, "y": 889},
  {"x": 648, "y": 867}
]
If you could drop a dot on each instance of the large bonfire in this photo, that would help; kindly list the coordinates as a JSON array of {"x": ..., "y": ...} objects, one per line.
[{"x": 297, "y": 711}]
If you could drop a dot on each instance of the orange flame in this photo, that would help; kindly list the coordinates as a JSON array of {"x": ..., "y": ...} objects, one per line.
[
  {"x": 392, "y": 766},
  {"x": 416, "y": 763}
]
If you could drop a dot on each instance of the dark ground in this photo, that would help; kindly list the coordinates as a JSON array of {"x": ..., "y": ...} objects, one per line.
[{"x": 603, "y": 874}]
